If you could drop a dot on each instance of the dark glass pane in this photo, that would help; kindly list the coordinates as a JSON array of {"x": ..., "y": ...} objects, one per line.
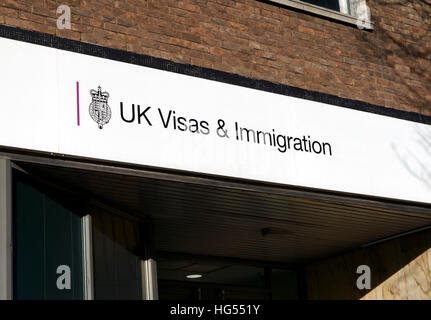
[
  {"x": 47, "y": 235},
  {"x": 117, "y": 266},
  {"x": 330, "y": 4}
]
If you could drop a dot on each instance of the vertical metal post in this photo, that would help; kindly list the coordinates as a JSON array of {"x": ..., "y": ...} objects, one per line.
[
  {"x": 148, "y": 264},
  {"x": 88, "y": 258},
  {"x": 5, "y": 230},
  {"x": 149, "y": 279}
]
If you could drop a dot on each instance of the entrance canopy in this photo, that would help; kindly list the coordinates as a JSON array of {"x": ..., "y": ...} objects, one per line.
[{"x": 209, "y": 216}]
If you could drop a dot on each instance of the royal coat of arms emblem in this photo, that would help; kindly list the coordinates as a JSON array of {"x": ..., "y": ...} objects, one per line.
[{"x": 99, "y": 109}]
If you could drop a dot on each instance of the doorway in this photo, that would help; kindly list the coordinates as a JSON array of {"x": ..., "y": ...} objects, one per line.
[{"x": 220, "y": 279}]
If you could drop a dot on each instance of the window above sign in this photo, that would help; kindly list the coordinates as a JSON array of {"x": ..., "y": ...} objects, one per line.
[{"x": 355, "y": 12}]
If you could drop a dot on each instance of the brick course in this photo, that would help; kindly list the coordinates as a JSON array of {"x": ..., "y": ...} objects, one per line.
[{"x": 390, "y": 66}]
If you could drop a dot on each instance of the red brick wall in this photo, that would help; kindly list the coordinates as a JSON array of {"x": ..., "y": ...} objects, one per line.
[{"x": 390, "y": 66}]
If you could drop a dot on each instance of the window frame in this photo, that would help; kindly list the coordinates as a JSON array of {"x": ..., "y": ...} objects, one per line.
[{"x": 325, "y": 12}]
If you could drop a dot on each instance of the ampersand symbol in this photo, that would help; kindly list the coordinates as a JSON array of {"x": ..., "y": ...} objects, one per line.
[{"x": 221, "y": 131}]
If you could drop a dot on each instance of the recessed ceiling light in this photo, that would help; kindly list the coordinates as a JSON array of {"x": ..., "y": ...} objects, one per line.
[{"x": 194, "y": 276}]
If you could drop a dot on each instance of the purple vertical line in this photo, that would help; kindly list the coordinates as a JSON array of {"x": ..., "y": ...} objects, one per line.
[{"x": 77, "y": 102}]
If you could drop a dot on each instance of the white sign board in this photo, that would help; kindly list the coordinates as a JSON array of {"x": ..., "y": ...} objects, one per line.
[{"x": 50, "y": 101}]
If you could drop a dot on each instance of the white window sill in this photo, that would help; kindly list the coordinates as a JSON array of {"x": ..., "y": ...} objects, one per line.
[{"x": 321, "y": 11}]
